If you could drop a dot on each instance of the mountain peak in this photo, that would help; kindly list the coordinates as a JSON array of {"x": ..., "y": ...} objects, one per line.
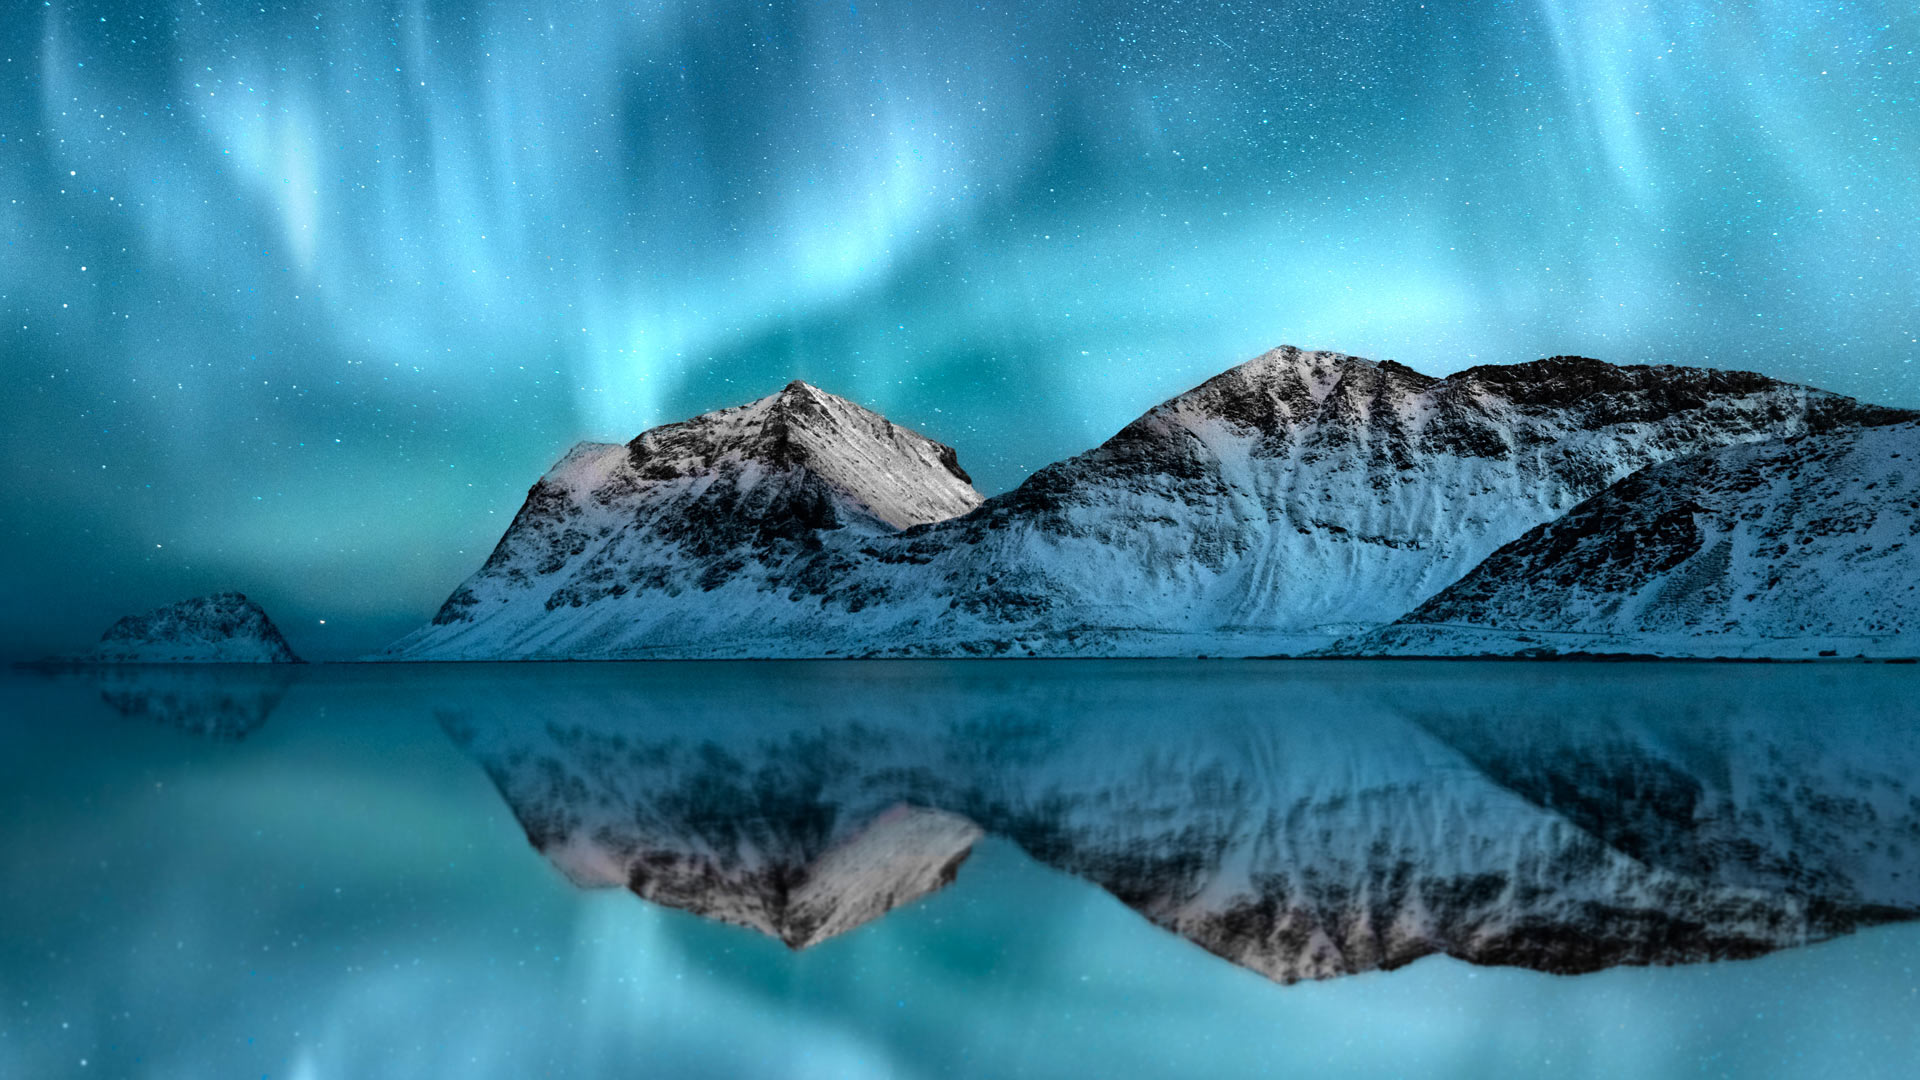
[
  {"x": 890, "y": 472},
  {"x": 1289, "y": 368},
  {"x": 1287, "y": 386},
  {"x": 803, "y": 398}
]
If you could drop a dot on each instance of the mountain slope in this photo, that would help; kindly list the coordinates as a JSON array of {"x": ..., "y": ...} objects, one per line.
[
  {"x": 1787, "y": 548},
  {"x": 1288, "y": 501}
]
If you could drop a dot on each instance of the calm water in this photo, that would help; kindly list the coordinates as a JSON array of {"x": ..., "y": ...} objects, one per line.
[{"x": 361, "y": 871}]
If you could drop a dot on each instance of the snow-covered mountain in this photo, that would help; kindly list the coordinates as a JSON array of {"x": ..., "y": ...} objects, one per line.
[
  {"x": 1796, "y": 547},
  {"x": 698, "y": 535},
  {"x": 1304, "y": 493},
  {"x": 224, "y": 628},
  {"x": 1300, "y": 825},
  {"x": 1293, "y": 499}
]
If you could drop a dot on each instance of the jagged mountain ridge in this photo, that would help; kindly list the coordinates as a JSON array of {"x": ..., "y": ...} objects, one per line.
[
  {"x": 1536, "y": 826},
  {"x": 1275, "y": 507},
  {"x": 1301, "y": 492},
  {"x": 1797, "y": 547},
  {"x": 221, "y": 628}
]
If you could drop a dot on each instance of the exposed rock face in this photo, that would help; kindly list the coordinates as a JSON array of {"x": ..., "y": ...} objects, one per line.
[
  {"x": 1298, "y": 825},
  {"x": 225, "y": 628},
  {"x": 1798, "y": 547},
  {"x": 1293, "y": 499}
]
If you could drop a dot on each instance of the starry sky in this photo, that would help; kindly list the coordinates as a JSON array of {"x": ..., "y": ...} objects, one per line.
[{"x": 300, "y": 298}]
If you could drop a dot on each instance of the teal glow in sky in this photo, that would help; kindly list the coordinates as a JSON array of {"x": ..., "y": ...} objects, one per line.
[{"x": 299, "y": 299}]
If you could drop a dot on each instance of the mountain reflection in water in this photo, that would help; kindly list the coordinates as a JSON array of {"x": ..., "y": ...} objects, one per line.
[
  {"x": 1303, "y": 821},
  {"x": 1303, "y": 828},
  {"x": 945, "y": 869},
  {"x": 225, "y": 701}
]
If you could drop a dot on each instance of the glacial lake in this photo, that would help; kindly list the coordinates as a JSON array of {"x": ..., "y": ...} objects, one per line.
[{"x": 956, "y": 869}]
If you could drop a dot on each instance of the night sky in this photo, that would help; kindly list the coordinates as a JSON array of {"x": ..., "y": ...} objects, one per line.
[{"x": 299, "y": 299}]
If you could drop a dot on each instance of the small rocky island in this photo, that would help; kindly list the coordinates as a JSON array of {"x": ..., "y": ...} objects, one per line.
[{"x": 223, "y": 628}]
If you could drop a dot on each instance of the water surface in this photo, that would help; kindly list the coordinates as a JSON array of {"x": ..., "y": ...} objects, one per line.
[{"x": 366, "y": 871}]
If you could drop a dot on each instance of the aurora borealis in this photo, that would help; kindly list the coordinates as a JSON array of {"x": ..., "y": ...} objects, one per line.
[{"x": 298, "y": 299}]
